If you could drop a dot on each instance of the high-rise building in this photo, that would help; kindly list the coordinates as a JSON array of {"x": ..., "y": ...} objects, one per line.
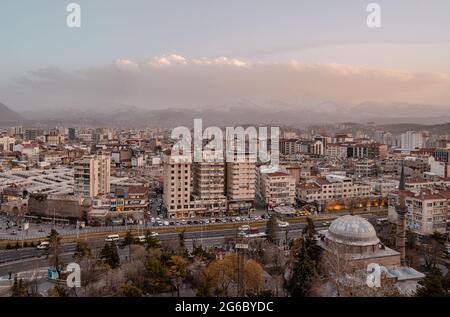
[
  {"x": 209, "y": 187},
  {"x": 411, "y": 140},
  {"x": 92, "y": 176},
  {"x": 241, "y": 182},
  {"x": 72, "y": 134},
  {"x": 177, "y": 185}
]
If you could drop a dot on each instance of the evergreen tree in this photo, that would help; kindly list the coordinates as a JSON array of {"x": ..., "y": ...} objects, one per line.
[
  {"x": 18, "y": 289},
  {"x": 128, "y": 239},
  {"x": 433, "y": 285},
  {"x": 303, "y": 273},
  {"x": 110, "y": 255},
  {"x": 271, "y": 229}
]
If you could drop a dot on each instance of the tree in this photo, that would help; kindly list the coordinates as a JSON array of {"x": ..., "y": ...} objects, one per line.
[
  {"x": 177, "y": 271},
  {"x": 57, "y": 291},
  {"x": 54, "y": 251},
  {"x": 221, "y": 273},
  {"x": 129, "y": 290},
  {"x": 110, "y": 255},
  {"x": 18, "y": 289},
  {"x": 303, "y": 272},
  {"x": 434, "y": 284},
  {"x": 157, "y": 278},
  {"x": 271, "y": 229},
  {"x": 433, "y": 249},
  {"x": 253, "y": 277},
  {"x": 128, "y": 238},
  {"x": 82, "y": 251}
]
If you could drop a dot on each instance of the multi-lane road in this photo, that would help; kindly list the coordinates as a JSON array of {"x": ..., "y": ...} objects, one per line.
[{"x": 12, "y": 261}]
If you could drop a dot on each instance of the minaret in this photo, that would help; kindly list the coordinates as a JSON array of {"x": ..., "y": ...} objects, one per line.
[{"x": 401, "y": 210}]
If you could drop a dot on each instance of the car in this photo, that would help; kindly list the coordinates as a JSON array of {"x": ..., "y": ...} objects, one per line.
[
  {"x": 43, "y": 245},
  {"x": 283, "y": 224},
  {"x": 244, "y": 228},
  {"x": 238, "y": 218},
  {"x": 206, "y": 221},
  {"x": 195, "y": 222},
  {"x": 189, "y": 222},
  {"x": 112, "y": 237},
  {"x": 154, "y": 234},
  {"x": 327, "y": 223},
  {"x": 141, "y": 239},
  {"x": 166, "y": 223},
  {"x": 172, "y": 223}
]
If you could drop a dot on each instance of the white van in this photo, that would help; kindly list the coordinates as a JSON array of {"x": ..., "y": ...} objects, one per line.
[
  {"x": 112, "y": 237},
  {"x": 43, "y": 245}
]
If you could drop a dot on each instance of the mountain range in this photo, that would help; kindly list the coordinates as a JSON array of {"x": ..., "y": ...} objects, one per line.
[
  {"x": 8, "y": 116},
  {"x": 240, "y": 112}
]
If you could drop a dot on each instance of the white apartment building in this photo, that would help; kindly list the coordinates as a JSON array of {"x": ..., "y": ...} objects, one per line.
[
  {"x": 276, "y": 187},
  {"x": 92, "y": 176},
  {"x": 428, "y": 211},
  {"x": 411, "y": 140}
]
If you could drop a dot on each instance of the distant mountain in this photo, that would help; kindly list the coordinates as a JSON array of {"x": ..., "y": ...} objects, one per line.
[
  {"x": 9, "y": 116},
  {"x": 243, "y": 112}
]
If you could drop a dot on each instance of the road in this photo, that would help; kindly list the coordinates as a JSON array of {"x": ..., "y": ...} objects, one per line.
[{"x": 29, "y": 258}]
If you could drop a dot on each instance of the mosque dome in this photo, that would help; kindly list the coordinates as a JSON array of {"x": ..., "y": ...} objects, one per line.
[{"x": 352, "y": 231}]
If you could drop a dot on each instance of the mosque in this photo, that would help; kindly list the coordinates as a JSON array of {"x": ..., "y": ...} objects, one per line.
[{"x": 354, "y": 240}]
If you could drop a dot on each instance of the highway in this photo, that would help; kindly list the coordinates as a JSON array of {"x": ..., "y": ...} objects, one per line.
[{"x": 29, "y": 258}]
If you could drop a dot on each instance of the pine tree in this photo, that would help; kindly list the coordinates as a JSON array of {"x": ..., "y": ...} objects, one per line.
[
  {"x": 18, "y": 289},
  {"x": 302, "y": 273},
  {"x": 110, "y": 255},
  {"x": 128, "y": 239},
  {"x": 271, "y": 229},
  {"x": 433, "y": 285}
]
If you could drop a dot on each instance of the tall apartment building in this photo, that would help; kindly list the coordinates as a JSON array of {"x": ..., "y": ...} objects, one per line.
[
  {"x": 209, "y": 187},
  {"x": 92, "y": 176},
  {"x": 177, "y": 185},
  {"x": 241, "y": 183},
  {"x": 411, "y": 140}
]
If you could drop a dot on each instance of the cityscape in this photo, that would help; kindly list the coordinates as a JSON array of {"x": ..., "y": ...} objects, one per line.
[{"x": 318, "y": 170}]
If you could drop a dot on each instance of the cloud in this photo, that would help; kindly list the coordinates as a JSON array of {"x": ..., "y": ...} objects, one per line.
[{"x": 177, "y": 81}]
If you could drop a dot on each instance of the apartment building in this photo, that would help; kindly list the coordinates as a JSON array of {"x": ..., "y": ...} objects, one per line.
[
  {"x": 209, "y": 187},
  {"x": 428, "y": 210},
  {"x": 7, "y": 144},
  {"x": 332, "y": 188},
  {"x": 177, "y": 185},
  {"x": 241, "y": 183},
  {"x": 276, "y": 187},
  {"x": 92, "y": 176}
]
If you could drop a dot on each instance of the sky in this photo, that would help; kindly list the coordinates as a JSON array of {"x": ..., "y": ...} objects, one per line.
[{"x": 189, "y": 53}]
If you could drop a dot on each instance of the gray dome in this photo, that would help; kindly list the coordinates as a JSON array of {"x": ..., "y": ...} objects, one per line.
[{"x": 352, "y": 230}]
